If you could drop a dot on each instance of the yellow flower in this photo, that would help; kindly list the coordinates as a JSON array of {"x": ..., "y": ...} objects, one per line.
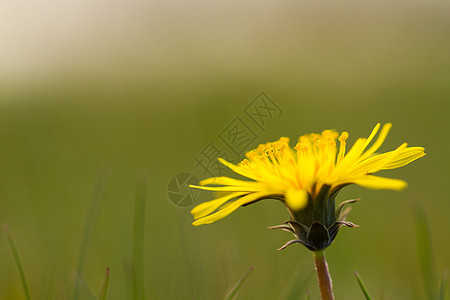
[{"x": 297, "y": 176}]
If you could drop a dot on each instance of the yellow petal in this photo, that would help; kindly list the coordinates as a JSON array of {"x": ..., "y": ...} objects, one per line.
[
  {"x": 306, "y": 170},
  {"x": 365, "y": 166},
  {"x": 206, "y": 208},
  {"x": 372, "y": 135},
  {"x": 222, "y": 213},
  {"x": 408, "y": 155},
  {"x": 349, "y": 160},
  {"x": 237, "y": 169},
  {"x": 227, "y": 188},
  {"x": 377, "y": 163},
  {"x": 376, "y": 183},
  {"x": 380, "y": 140},
  {"x": 296, "y": 199},
  {"x": 227, "y": 181},
  {"x": 388, "y": 159}
]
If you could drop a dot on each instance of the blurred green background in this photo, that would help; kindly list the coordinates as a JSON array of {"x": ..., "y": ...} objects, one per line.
[{"x": 129, "y": 86}]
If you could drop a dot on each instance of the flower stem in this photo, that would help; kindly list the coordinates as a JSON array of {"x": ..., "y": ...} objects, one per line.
[{"x": 323, "y": 275}]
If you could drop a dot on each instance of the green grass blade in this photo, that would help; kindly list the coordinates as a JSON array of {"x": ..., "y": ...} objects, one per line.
[
  {"x": 308, "y": 296},
  {"x": 363, "y": 287},
  {"x": 128, "y": 278},
  {"x": 90, "y": 221},
  {"x": 83, "y": 290},
  {"x": 19, "y": 265},
  {"x": 238, "y": 285},
  {"x": 138, "y": 239},
  {"x": 424, "y": 248},
  {"x": 298, "y": 281},
  {"x": 104, "y": 289},
  {"x": 443, "y": 287}
]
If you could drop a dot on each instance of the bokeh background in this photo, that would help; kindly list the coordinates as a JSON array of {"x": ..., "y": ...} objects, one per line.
[{"x": 88, "y": 87}]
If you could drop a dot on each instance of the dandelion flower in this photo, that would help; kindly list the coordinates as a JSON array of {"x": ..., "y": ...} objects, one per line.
[{"x": 307, "y": 179}]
